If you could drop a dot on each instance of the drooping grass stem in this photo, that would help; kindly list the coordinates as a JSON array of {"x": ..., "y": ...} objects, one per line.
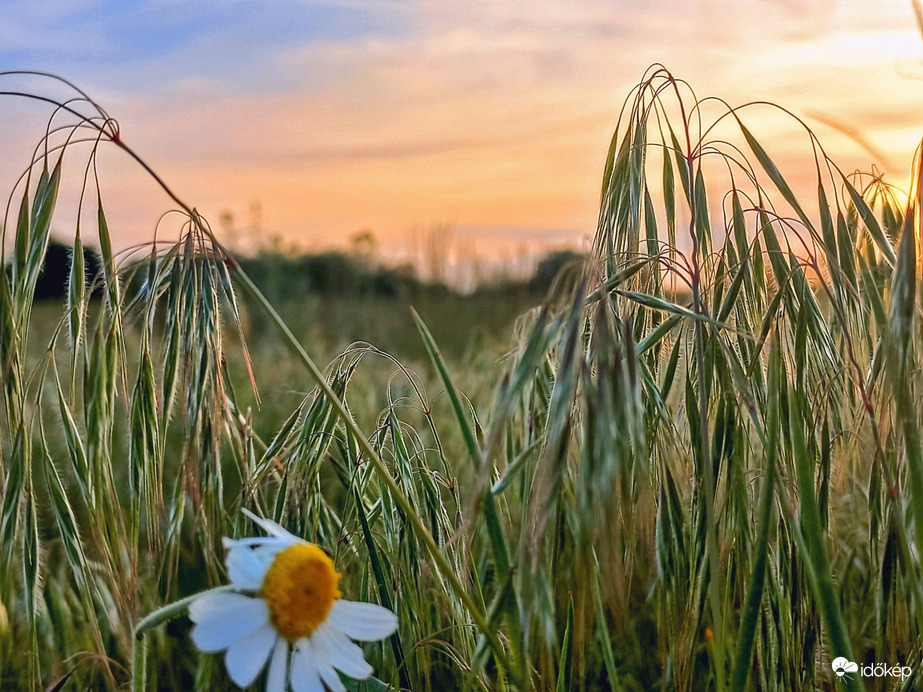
[{"x": 420, "y": 530}]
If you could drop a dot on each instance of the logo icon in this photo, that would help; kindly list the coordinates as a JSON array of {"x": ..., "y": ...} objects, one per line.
[{"x": 841, "y": 666}]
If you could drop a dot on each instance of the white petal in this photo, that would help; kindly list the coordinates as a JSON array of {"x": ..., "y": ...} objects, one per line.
[
  {"x": 247, "y": 566},
  {"x": 222, "y": 618},
  {"x": 342, "y": 654},
  {"x": 271, "y": 527},
  {"x": 246, "y": 657},
  {"x": 305, "y": 677},
  {"x": 329, "y": 675},
  {"x": 278, "y": 667},
  {"x": 365, "y": 622}
]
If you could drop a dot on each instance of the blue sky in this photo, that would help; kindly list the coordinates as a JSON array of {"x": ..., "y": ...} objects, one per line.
[
  {"x": 491, "y": 115},
  {"x": 225, "y": 43}
]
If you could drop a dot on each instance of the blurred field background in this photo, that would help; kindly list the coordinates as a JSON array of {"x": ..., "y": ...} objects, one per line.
[{"x": 334, "y": 301}]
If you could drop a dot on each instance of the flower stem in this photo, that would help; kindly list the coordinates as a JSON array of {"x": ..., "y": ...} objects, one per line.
[
  {"x": 174, "y": 610},
  {"x": 158, "y": 617},
  {"x": 138, "y": 663}
]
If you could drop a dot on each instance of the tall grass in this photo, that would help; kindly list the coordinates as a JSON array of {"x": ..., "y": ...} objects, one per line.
[{"x": 698, "y": 467}]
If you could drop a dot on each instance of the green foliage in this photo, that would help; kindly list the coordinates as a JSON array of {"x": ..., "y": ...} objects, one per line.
[{"x": 697, "y": 467}]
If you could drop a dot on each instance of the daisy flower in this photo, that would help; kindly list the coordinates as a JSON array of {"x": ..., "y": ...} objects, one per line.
[{"x": 288, "y": 612}]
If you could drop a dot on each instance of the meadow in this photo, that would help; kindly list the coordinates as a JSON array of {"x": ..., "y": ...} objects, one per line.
[{"x": 695, "y": 465}]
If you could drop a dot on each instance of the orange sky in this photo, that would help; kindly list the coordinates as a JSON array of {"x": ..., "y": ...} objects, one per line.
[{"x": 491, "y": 115}]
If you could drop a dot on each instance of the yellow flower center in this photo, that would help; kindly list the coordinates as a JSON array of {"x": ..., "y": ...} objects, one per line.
[{"x": 300, "y": 588}]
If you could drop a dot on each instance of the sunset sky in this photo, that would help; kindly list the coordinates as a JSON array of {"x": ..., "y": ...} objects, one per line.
[{"x": 490, "y": 115}]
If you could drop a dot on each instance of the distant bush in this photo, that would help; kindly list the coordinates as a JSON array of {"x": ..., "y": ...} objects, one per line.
[
  {"x": 327, "y": 274},
  {"x": 332, "y": 274},
  {"x": 549, "y": 268},
  {"x": 52, "y": 281}
]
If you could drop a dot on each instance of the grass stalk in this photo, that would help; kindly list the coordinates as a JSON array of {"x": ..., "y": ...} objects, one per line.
[{"x": 384, "y": 476}]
